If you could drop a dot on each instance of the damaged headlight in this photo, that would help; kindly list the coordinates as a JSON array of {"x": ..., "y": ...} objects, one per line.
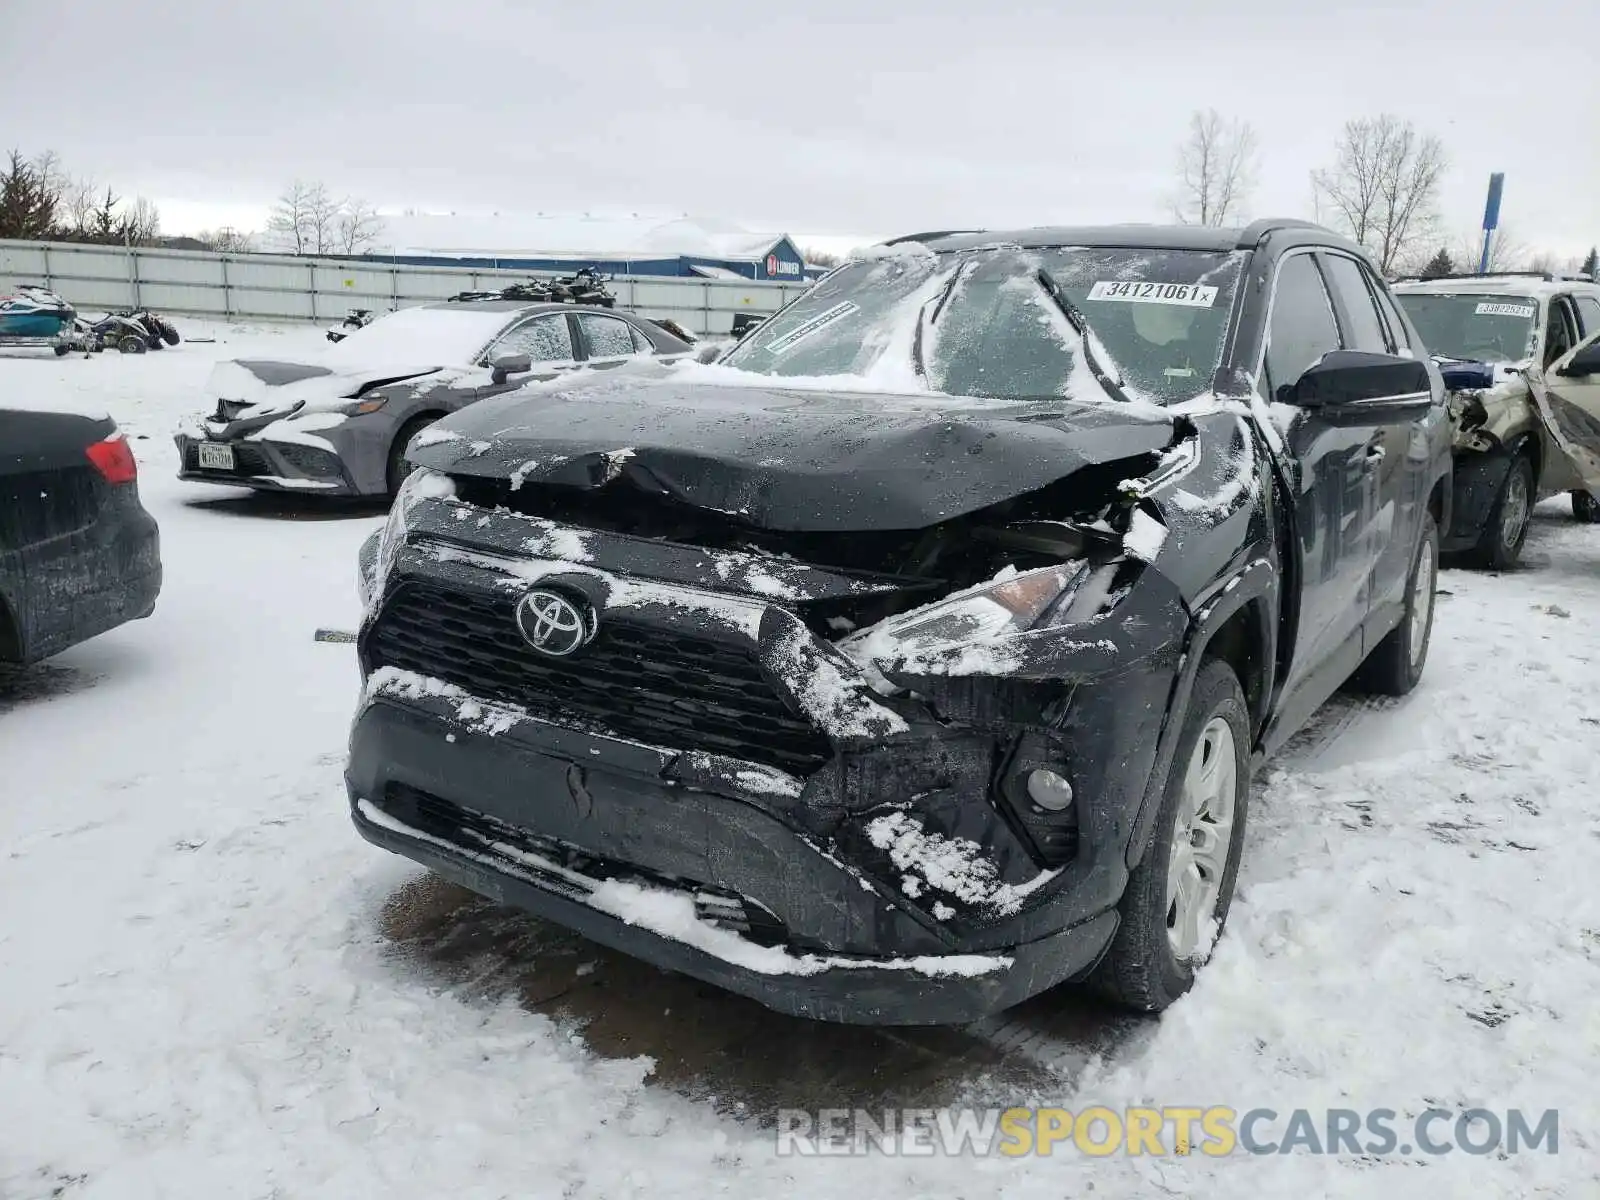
[{"x": 1008, "y": 604}]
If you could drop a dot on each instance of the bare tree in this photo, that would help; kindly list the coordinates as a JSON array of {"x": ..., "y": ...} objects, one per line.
[
  {"x": 1384, "y": 184},
  {"x": 141, "y": 223},
  {"x": 1217, "y": 164},
  {"x": 322, "y": 220},
  {"x": 357, "y": 227},
  {"x": 821, "y": 258},
  {"x": 226, "y": 240},
  {"x": 1507, "y": 251},
  {"x": 303, "y": 218},
  {"x": 79, "y": 200}
]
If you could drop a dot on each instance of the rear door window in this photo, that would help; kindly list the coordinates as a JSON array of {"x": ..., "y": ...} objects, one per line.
[
  {"x": 1366, "y": 330},
  {"x": 606, "y": 337}
]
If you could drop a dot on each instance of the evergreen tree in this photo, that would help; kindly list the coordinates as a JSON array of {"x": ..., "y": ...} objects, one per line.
[{"x": 1440, "y": 264}]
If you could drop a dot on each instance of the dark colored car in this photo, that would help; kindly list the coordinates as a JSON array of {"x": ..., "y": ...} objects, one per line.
[
  {"x": 339, "y": 425},
  {"x": 78, "y": 553},
  {"x": 914, "y": 658}
]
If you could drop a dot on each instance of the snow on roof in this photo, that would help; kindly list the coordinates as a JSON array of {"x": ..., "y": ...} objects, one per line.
[
  {"x": 1494, "y": 285},
  {"x": 716, "y": 272},
  {"x": 523, "y": 235}
]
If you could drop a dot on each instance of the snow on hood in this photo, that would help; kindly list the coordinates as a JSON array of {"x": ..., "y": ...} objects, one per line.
[
  {"x": 270, "y": 388},
  {"x": 785, "y": 457}
]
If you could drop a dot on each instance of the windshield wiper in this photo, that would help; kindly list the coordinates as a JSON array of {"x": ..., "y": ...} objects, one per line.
[
  {"x": 1080, "y": 324},
  {"x": 926, "y": 320}
]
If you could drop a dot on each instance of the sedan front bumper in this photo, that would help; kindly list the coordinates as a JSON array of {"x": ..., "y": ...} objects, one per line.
[{"x": 268, "y": 466}]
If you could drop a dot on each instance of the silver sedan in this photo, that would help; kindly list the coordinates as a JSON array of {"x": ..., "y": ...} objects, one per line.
[{"x": 339, "y": 425}]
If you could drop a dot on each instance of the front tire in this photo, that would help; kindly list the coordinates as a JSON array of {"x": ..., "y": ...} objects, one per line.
[
  {"x": 1586, "y": 508},
  {"x": 398, "y": 468},
  {"x": 1177, "y": 898},
  {"x": 1500, "y": 545},
  {"x": 131, "y": 344},
  {"x": 1395, "y": 666}
]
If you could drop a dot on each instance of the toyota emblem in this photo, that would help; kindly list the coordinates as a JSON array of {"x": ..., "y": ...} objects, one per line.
[{"x": 555, "y": 625}]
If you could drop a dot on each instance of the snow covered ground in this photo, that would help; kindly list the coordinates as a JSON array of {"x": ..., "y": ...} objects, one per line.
[{"x": 213, "y": 988}]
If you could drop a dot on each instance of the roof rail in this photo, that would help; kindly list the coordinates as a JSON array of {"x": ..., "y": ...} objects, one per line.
[
  {"x": 1252, "y": 234},
  {"x": 929, "y": 236},
  {"x": 1547, "y": 276}
]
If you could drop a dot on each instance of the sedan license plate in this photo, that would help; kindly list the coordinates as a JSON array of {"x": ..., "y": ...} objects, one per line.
[{"x": 214, "y": 456}]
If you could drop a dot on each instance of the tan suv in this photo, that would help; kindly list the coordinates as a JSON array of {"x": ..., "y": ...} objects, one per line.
[{"x": 1521, "y": 354}]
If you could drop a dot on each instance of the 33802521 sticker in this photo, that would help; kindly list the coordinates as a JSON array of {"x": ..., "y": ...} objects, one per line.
[
  {"x": 1490, "y": 308},
  {"x": 1133, "y": 291}
]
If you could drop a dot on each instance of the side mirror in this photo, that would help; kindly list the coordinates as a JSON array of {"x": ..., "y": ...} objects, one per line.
[
  {"x": 1584, "y": 363},
  {"x": 708, "y": 354},
  {"x": 1345, "y": 377},
  {"x": 509, "y": 364}
]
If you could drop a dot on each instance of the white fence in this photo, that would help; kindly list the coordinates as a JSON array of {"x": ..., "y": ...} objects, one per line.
[{"x": 283, "y": 288}]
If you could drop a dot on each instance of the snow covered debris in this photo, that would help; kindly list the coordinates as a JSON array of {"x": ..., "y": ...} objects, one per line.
[
  {"x": 471, "y": 711},
  {"x": 1145, "y": 536},
  {"x": 842, "y": 704},
  {"x": 955, "y": 866}
]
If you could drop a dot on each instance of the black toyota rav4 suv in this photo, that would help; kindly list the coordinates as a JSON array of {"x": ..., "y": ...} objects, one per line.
[{"x": 915, "y": 657}]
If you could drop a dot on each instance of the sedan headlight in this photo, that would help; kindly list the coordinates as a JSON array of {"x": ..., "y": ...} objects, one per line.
[{"x": 358, "y": 408}]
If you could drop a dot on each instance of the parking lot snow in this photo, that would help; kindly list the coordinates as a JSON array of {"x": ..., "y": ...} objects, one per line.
[{"x": 203, "y": 996}]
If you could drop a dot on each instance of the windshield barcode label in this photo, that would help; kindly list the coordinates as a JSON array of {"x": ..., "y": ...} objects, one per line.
[
  {"x": 1195, "y": 295},
  {"x": 805, "y": 329},
  {"x": 1490, "y": 309}
]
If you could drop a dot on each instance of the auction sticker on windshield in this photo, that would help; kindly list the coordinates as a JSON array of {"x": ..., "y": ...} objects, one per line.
[
  {"x": 805, "y": 329},
  {"x": 1195, "y": 295},
  {"x": 1491, "y": 309}
]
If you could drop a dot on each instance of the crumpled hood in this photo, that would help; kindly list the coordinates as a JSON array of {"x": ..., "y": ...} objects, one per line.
[
  {"x": 249, "y": 393},
  {"x": 787, "y": 458}
]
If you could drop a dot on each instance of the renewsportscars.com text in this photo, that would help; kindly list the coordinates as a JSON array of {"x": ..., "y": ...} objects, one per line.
[{"x": 1165, "y": 1131}]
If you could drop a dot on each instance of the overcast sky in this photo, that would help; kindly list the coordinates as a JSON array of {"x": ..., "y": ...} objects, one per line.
[{"x": 851, "y": 117}]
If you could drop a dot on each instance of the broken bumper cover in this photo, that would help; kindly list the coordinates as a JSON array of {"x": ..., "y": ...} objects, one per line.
[{"x": 654, "y": 917}]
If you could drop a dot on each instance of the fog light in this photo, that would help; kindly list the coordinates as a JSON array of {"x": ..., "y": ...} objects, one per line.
[{"x": 1048, "y": 790}]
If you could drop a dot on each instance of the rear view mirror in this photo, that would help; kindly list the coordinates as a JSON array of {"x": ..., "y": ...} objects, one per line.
[
  {"x": 510, "y": 364},
  {"x": 1584, "y": 363},
  {"x": 1346, "y": 377}
]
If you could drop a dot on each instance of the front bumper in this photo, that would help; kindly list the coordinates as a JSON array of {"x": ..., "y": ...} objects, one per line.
[
  {"x": 269, "y": 466},
  {"x": 650, "y": 914},
  {"x": 885, "y": 854}
]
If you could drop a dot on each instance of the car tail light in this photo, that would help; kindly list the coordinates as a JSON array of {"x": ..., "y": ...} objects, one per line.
[{"x": 114, "y": 459}]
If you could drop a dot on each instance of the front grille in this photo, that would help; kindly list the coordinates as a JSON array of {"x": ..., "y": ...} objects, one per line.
[
  {"x": 473, "y": 830},
  {"x": 650, "y": 685},
  {"x": 38, "y": 505}
]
